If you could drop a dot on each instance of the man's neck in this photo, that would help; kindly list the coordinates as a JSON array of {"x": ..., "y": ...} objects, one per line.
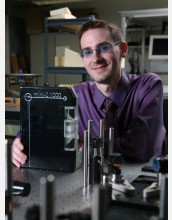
[{"x": 107, "y": 89}]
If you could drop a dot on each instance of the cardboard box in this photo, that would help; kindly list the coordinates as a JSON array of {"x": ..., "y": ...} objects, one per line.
[
  {"x": 64, "y": 10},
  {"x": 62, "y": 16},
  {"x": 60, "y": 50},
  {"x": 68, "y": 58}
]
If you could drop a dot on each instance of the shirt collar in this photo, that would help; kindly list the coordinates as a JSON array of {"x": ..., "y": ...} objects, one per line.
[
  {"x": 99, "y": 97},
  {"x": 120, "y": 91}
]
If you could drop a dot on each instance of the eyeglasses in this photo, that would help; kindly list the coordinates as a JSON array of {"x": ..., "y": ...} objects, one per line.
[{"x": 103, "y": 48}]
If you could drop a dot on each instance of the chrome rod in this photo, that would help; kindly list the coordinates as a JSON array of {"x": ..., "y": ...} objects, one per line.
[
  {"x": 111, "y": 141},
  {"x": 102, "y": 136},
  {"x": 85, "y": 157},
  {"x": 89, "y": 149}
]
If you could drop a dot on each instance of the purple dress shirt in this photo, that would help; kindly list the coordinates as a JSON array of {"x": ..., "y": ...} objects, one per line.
[{"x": 140, "y": 114}]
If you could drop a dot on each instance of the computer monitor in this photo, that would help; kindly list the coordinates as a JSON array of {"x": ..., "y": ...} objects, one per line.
[{"x": 158, "y": 47}]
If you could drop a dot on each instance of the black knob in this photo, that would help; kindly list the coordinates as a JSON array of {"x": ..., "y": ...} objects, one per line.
[
  {"x": 160, "y": 164},
  {"x": 20, "y": 188}
]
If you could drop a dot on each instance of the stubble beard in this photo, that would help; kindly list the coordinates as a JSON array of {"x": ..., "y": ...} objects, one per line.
[{"x": 104, "y": 80}]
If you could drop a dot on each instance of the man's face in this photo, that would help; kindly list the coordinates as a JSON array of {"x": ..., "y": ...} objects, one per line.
[{"x": 102, "y": 67}]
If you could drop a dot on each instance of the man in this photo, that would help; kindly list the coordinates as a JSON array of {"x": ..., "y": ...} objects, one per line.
[{"x": 138, "y": 99}]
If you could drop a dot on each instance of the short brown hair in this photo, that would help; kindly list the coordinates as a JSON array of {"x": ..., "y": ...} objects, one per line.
[{"x": 93, "y": 24}]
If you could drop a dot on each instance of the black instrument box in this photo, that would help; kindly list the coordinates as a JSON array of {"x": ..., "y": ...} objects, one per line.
[{"x": 48, "y": 128}]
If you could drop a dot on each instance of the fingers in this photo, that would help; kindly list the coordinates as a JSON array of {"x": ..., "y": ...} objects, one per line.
[
  {"x": 16, "y": 163},
  {"x": 18, "y": 157},
  {"x": 17, "y": 143}
]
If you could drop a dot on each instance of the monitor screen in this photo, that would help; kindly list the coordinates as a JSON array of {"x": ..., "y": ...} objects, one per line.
[{"x": 158, "y": 47}]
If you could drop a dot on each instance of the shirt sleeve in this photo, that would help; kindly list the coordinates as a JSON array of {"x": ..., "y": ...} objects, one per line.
[{"x": 145, "y": 132}]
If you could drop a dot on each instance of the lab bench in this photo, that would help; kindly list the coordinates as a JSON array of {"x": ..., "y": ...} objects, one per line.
[{"x": 69, "y": 195}]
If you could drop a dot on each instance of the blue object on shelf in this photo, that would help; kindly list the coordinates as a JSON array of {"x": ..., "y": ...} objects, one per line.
[{"x": 20, "y": 78}]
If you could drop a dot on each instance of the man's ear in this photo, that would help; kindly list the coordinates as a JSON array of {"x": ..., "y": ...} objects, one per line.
[{"x": 124, "y": 49}]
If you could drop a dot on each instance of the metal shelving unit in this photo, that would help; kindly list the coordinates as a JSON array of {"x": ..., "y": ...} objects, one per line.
[
  {"x": 67, "y": 25},
  {"x": 140, "y": 14},
  {"x": 146, "y": 18}
]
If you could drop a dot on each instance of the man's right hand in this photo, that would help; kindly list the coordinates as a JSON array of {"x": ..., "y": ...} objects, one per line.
[{"x": 18, "y": 157}]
